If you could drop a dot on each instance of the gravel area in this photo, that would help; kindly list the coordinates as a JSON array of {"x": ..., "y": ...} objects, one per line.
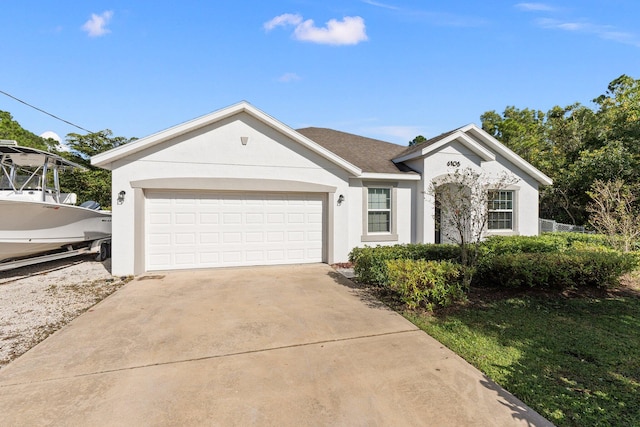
[{"x": 38, "y": 300}]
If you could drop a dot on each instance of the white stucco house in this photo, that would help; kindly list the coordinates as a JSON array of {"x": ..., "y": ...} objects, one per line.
[{"x": 237, "y": 187}]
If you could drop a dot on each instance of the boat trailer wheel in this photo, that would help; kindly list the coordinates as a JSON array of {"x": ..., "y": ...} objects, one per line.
[{"x": 105, "y": 251}]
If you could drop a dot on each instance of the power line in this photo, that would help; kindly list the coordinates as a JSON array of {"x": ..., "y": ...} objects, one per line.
[{"x": 45, "y": 112}]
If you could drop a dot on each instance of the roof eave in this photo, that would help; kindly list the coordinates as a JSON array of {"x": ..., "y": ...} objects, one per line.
[
  {"x": 482, "y": 152},
  {"x": 510, "y": 155},
  {"x": 485, "y": 154},
  {"x": 391, "y": 176},
  {"x": 105, "y": 160}
]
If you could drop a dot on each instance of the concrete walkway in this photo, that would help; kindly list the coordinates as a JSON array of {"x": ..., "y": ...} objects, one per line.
[{"x": 279, "y": 346}]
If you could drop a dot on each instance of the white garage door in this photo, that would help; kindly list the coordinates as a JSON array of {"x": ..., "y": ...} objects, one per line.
[{"x": 204, "y": 229}]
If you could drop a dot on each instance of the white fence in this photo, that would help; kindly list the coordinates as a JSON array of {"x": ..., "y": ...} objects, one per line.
[{"x": 549, "y": 225}]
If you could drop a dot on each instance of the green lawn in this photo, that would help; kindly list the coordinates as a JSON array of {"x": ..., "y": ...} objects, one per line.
[{"x": 574, "y": 360}]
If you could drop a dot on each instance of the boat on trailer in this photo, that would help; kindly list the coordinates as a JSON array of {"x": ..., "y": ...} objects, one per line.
[{"x": 36, "y": 218}]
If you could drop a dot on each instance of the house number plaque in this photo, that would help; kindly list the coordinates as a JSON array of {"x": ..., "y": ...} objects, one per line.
[{"x": 453, "y": 163}]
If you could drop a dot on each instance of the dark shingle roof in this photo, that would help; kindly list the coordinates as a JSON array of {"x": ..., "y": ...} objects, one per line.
[
  {"x": 370, "y": 155},
  {"x": 428, "y": 142}
]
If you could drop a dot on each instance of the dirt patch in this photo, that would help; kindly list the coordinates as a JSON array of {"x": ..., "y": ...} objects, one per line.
[{"x": 36, "y": 301}]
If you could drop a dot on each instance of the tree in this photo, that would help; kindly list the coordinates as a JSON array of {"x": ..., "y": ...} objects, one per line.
[
  {"x": 82, "y": 147},
  {"x": 92, "y": 183},
  {"x": 619, "y": 112},
  {"x": 417, "y": 140},
  {"x": 89, "y": 184},
  {"x": 576, "y": 145},
  {"x": 463, "y": 197},
  {"x": 524, "y": 131},
  {"x": 614, "y": 213},
  {"x": 11, "y": 129}
]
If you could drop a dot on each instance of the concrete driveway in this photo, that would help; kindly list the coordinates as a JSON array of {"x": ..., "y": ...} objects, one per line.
[{"x": 292, "y": 345}]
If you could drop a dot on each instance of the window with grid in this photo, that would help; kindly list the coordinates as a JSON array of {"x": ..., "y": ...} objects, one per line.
[
  {"x": 500, "y": 210},
  {"x": 379, "y": 210}
]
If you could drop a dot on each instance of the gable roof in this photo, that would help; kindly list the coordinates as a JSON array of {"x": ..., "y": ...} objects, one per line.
[
  {"x": 478, "y": 141},
  {"x": 358, "y": 155},
  {"x": 370, "y": 155},
  {"x": 430, "y": 141},
  {"x": 106, "y": 159}
]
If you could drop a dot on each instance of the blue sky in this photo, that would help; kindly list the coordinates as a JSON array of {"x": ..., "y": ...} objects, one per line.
[{"x": 388, "y": 69}]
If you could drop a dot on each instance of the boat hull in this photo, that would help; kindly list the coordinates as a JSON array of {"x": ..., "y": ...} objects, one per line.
[{"x": 29, "y": 227}]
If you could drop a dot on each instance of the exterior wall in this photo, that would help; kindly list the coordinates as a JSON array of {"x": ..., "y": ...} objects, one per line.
[
  {"x": 405, "y": 212},
  {"x": 214, "y": 158},
  {"x": 419, "y": 204},
  {"x": 217, "y": 152},
  {"x": 446, "y": 161}
]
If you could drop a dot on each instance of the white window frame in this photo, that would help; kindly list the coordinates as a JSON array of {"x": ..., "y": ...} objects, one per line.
[
  {"x": 511, "y": 210},
  {"x": 379, "y": 236}
]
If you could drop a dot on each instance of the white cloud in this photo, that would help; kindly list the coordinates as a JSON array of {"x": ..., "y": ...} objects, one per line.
[
  {"x": 560, "y": 25},
  {"x": 96, "y": 26},
  {"x": 606, "y": 32},
  {"x": 351, "y": 30},
  {"x": 535, "y": 7},
  {"x": 583, "y": 26},
  {"x": 378, "y": 4},
  {"x": 282, "y": 20},
  {"x": 51, "y": 134},
  {"x": 289, "y": 77},
  {"x": 621, "y": 37}
]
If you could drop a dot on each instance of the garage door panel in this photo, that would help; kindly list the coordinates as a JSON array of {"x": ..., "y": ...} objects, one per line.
[
  {"x": 254, "y": 218},
  {"x": 275, "y": 237},
  {"x": 295, "y": 236},
  {"x": 209, "y": 218},
  {"x": 185, "y": 238},
  {"x": 191, "y": 230},
  {"x": 230, "y": 257},
  {"x": 233, "y": 237},
  {"x": 255, "y": 256},
  {"x": 160, "y": 218},
  {"x": 186, "y": 259}
]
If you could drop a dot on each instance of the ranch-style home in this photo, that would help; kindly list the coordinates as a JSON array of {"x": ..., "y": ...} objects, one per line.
[{"x": 237, "y": 187}]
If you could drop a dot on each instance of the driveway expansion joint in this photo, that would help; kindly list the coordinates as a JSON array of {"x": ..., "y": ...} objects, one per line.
[{"x": 218, "y": 356}]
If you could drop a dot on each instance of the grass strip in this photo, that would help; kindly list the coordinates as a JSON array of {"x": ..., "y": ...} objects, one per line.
[{"x": 574, "y": 360}]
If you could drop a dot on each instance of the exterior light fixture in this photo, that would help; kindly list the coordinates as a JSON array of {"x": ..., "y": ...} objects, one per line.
[
  {"x": 121, "y": 195},
  {"x": 340, "y": 199},
  {"x": 244, "y": 140}
]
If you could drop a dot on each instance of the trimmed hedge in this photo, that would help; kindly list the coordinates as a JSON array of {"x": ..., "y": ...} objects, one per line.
[
  {"x": 551, "y": 260},
  {"x": 564, "y": 270},
  {"x": 500, "y": 245},
  {"x": 426, "y": 283},
  {"x": 586, "y": 239},
  {"x": 369, "y": 263},
  {"x": 547, "y": 242}
]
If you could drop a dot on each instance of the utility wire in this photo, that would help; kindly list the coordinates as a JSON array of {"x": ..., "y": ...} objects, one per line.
[{"x": 47, "y": 113}]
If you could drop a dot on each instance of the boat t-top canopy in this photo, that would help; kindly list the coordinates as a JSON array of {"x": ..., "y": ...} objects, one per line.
[
  {"x": 31, "y": 170},
  {"x": 13, "y": 154}
]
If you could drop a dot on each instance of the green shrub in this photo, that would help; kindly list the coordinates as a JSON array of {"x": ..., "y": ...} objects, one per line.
[
  {"x": 546, "y": 242},
  {"x": 564, "y": 270},
  {"x": 582, "y": 246},
  {"x": 369, "y": 263},
  {"x": 587, "y": 239},
  {"x": 500, "y": 245},
  {"x": 426, "y": 283}
]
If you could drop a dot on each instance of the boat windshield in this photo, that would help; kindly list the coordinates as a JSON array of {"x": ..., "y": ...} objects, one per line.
[
  {"x": 20, "y": 178},
  {"x": 32, "y": 170}
]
